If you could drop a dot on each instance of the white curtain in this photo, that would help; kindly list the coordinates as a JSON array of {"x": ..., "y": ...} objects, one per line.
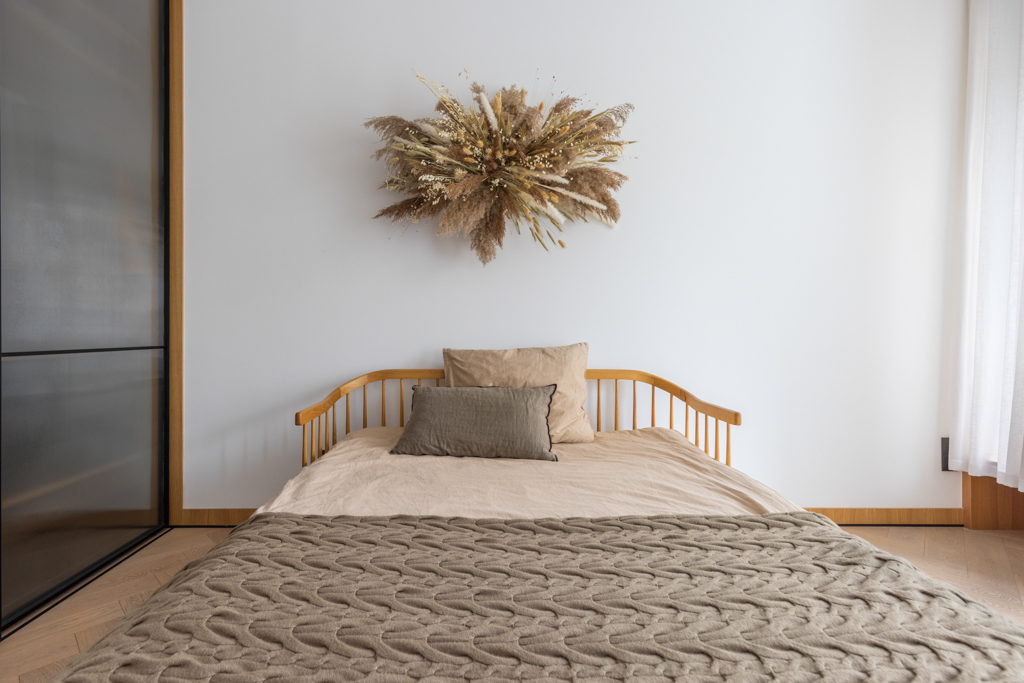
[{"x": 987, "y": 435}]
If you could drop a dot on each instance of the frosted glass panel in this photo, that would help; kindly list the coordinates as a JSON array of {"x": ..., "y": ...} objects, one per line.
[
  {"x": 82, "y": 153},
  {"x": 80, "y": 150},
  {"x": 79, "y": 468}
]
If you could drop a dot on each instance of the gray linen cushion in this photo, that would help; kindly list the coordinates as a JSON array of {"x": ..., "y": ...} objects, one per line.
[{"x": 483, "y": 422}]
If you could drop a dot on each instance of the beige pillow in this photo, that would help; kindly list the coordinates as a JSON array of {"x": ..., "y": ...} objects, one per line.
[{"x": 564, "y": 366}]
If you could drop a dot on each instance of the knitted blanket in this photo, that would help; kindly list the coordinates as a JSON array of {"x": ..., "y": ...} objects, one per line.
[{"x": 786, "y": 596}]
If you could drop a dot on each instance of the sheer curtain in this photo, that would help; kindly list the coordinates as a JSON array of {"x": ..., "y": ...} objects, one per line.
[{"x": 987, "y": 436}]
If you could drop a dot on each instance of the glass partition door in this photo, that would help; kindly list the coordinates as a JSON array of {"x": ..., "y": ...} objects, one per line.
[{"x": 82, "y": 287}]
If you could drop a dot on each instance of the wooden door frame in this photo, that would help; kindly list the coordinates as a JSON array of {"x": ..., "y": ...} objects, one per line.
[{"x": 175, "y": 245}]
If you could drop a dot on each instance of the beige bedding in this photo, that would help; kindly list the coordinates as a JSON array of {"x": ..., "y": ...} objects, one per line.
[{"x": 652, "y": 471}]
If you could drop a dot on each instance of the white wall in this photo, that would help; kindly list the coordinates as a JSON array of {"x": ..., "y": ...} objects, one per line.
[{"x": 781, "y": 252}]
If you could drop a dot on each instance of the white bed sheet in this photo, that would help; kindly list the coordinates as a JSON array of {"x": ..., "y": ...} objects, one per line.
[{"x": 640, "y": 472}]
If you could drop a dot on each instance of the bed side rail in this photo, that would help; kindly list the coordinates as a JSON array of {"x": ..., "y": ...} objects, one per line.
[
  {"x": 709, "y": 411},
  {"x": 319, "y": 422}
]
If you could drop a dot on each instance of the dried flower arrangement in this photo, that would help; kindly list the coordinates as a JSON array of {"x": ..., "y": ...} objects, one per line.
[{"x": 506, "y": 161}]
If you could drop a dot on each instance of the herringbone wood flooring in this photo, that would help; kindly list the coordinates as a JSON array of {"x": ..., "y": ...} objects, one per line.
[
  {"x": 36, "y": 652},
  {"x": 987, "y": 565}
]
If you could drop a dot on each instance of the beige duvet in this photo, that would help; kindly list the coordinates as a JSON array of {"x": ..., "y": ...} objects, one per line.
[{"x": 652, "y": 471}]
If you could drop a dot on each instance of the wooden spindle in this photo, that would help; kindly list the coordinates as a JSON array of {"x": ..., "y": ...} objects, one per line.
[
  {"x": 706, "y": 434},
  {"x": 305, "y": 446},
  {"x": 728, "y": 444},
  {"x": 634, "y": 404},
  {"x": 652, "y": 405},
  {"x": 616, "y": 405},
  {"x": 320, "y": 433},
  {"x": 716, "y": 439}
]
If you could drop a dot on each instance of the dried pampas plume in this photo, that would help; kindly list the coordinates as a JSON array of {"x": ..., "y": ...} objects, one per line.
[{"x": 504, "y": 160}]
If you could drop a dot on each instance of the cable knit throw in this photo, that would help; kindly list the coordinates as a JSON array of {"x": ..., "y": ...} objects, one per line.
[{"x": 775, "y": 597}]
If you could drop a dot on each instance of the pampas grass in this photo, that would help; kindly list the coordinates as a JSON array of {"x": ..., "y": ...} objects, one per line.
[{"x": 504, "y": 161}]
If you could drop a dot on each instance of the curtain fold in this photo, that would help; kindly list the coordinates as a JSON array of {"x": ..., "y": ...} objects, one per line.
[{"x": 987, "y": 434}]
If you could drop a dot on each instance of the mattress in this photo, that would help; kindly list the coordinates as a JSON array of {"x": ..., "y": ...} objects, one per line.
[
  {"x": 782, "y": 596},
  {"x": 653, "y": 471}
]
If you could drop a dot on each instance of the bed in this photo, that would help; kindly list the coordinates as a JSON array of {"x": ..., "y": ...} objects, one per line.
[{"x": 640, "y": 556}]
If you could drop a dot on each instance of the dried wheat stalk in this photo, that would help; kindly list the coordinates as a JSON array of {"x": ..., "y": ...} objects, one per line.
[{"x": 505, "y": 161}]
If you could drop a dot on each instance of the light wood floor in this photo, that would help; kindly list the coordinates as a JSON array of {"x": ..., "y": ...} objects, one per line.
[
  {"x": 987, "y": 565},
  {"x": 39, "y": 650}
]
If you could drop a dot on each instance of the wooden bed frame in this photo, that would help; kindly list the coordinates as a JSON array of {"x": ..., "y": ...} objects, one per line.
[{"x": 319, "y": 422}]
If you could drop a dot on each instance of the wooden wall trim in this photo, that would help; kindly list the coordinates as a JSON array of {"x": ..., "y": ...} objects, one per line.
[
  {"x": 214, "y": 516},
  {"x": 894, "y": 516},
  {"x": 177, "y": 513},
  {"x": 175, "y": 229},
  {"x": 990, "y": 505}
]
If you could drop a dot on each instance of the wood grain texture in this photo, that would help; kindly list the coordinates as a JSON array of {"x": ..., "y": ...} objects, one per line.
[
  {"x": 176, "y": 244},
  {"x": 893, "y": 516},
  {"x": 215, "y": 516},
  {"x": 990, "y": 505},
  {"x": 983, "y": 564},
  {"x": 946, "y": 544},
  {"x": 44, "y": 673}
]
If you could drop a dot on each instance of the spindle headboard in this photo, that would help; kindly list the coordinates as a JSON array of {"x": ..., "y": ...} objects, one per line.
[{"x": 319, "y": 422}]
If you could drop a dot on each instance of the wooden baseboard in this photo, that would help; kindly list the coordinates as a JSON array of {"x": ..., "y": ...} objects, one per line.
[
  {"x": 990, "y": 505},
  {"x": 214, "y": 517},
  {"x": 894, "y": 516}
]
